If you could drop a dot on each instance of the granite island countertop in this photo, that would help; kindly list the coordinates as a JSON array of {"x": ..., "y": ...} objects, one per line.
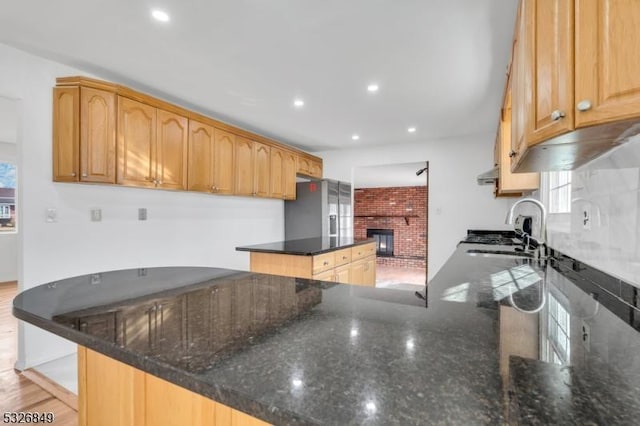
[
  {"x": 297, "y": 351},
  {"x": 306, "y": 246}
]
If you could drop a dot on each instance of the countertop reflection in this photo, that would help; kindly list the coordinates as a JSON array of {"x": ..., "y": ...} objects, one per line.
[{"x": 296, "y": 351}]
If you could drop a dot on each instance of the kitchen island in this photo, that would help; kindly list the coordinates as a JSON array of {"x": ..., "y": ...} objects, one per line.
[
  {"x": 343, "y": 260},
  {"x": 297, "y": 351}
]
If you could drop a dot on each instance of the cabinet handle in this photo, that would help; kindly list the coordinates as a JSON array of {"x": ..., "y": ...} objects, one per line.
[
  {"x": 159, "y": 182},
  {"x": 557, "y": 115},
  {"x": 512, "y": 154},
  {"x": 84, "y": 175},
  {"x": 326, "y": 262},
  {"x": 584, "y": 105},
  {"x": 73, "y": 174},
  {"x": 344, "y": 257}
]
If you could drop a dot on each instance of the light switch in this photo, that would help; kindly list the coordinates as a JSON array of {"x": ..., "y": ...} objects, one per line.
[
  {"x": 142, "y": 214},
  {"x": 51, "y": 215},
  {"x": 96, "y": 215}
]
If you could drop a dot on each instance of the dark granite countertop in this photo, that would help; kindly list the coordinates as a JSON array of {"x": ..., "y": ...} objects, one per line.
[
  {"x": 306, "y": 246},
  {"x": 297, "y": 351}
]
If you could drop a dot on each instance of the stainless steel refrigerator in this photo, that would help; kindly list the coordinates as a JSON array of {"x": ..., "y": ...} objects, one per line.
[{"x": 321, "y": 209}]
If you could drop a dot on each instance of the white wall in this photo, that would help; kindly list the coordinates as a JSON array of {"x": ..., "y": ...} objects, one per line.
[
  {"x": 609, "y": 189},
  {"x": 456, "y": 201},
  {"x": 183, "y": 228}
]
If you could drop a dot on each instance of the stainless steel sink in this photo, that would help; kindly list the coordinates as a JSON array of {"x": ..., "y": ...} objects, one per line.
[{"x": 498, "y": 253}]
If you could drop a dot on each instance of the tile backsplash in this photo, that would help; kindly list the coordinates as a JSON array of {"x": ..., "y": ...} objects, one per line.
[{"x": 607, "y": 190}]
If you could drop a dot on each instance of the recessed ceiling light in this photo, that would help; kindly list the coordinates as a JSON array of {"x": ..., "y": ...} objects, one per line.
[
  {"x": 298, "y": 103},
  {"x": 160, "y": 15},
  {"x": 411, "y": 130},
  {"x": 373, "y": 87},
  {"x": 355, "y": 137}
]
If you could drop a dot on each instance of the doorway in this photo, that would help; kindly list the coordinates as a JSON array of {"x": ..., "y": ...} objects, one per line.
[
  {"x": 391, "y": 206},
  {"x": 8, "y": 190}
]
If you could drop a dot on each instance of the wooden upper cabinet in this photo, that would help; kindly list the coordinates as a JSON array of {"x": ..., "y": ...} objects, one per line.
[
  {"x": 316, "y": 169},
  {"x": 223, "y": 162},
  {"x": 607, "y": 61},
  {"x": 244, "y": 166},
  {"x": 575, "y": 81},
  {"x": 289, "y": 175},
  {"x": 110, "y": 134},
  {"x": 136, "y": 143},
  {"x": 303, "y": 165},
  {"x": 84, "y": 135},
  {"x": 97, "y": 136},
  {"x": 276, "y": 176},
  {"x": 201, "y": 148},
  {"x": 66, "y": 138},
  {"x": 547, "y": 45},
  {"x": 309, "y": 166},
  {"x": 510, "y": 184},
  {"x": 262, "y": 169},
  {"x": 171, "y": 150}
]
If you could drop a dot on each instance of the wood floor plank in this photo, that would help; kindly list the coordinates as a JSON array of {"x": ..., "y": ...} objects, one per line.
[{"x": 17, "y": 393}]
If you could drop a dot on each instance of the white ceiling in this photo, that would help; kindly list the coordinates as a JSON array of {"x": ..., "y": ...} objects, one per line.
[
  {"x": 390, "y": 175},
  {"x": 440, "y": 64}
]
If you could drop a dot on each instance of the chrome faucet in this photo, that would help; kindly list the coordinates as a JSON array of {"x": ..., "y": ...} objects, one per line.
[{"x": 542, "y": 240}]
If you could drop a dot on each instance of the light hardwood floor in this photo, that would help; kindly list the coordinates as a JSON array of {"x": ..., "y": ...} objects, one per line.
[{"x": 16, "y": 392}]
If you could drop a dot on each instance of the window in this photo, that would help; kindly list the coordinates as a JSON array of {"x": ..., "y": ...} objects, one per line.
[
  {"x": 5, "y": 211},
  {"x": 559, "y": 338},
  {"x": 7, "y": 197},
  {"x": 559, "y": 187}
]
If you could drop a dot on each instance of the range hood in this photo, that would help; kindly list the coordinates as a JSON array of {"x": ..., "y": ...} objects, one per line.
[{"x": 489, "y": 177}]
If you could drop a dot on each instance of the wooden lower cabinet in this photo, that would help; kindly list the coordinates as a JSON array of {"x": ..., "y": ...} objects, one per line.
[
  {"x": 355, "y": 265},
  {"x": 112, "y": 393}
]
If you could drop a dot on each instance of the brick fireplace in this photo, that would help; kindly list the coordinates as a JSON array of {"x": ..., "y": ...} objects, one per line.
[{"x": 400, "y": 212}]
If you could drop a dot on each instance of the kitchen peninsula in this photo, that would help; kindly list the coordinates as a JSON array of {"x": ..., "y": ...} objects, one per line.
[
  {"x": 342, "y": 260},
  {"x": 161, "y": 344}
]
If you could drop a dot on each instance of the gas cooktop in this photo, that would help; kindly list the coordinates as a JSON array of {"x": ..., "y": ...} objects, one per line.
[{"x": 496, "y": 238}]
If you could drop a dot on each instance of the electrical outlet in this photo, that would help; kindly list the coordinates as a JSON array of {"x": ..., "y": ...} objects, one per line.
[
  {"x": 51, "y": 215},
  {"x": 586, "y": 336},
  {"x": 96, "y": 215},
  {"x": 586, "y": 217},
  {"x": 142, "y": 214}
]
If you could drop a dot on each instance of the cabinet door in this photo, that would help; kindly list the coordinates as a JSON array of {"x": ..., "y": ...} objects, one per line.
[
  {"x": 97, "y": 136},
  {"x": 343, "y": 274},
  {"x": 357, "y": 272},
  {"x": 222, "y": 315},
  {"x": 607, "y": 62},
  {"x": 289, "y": 175},
  {"x": 316, "y": 169},
  {"x": 242, "y": 309},
  {"x": 200, "y": 164},
  {"x": 223, "y": 162},
  {"x": 303, "y": 165},
  {"x": 134, "y": 328},
  {"x": 244, "y": 166},
  {"x": 66, "y": 110},
  {"x": 261, "y": 169},
  {"x": 369, "y": 277},
  {"x": 102, "y": 326},
  {"x": 169, "y": 335},
  {"x": 547, "y": 58},
  {"x": 276, "y": 175},
  {"x": 510, "y": 183},
  {"x": 109, "y": 392},
  {"x": 136, "y": 143},
  {"x": 171, "y": 151}
]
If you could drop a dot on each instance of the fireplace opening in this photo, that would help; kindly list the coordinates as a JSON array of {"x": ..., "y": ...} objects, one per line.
[{"x": 384, "y": 241}]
